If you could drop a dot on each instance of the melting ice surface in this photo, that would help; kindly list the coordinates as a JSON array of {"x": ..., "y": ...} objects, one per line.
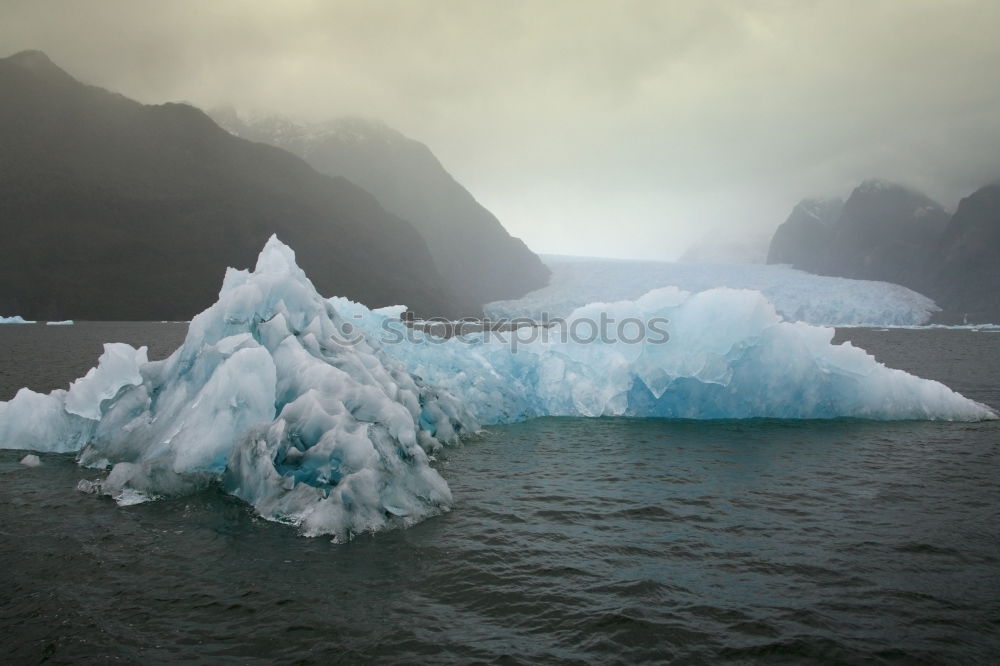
[
  {"x": 796, "y": 295},
  {"x": 326, "y": 414}
]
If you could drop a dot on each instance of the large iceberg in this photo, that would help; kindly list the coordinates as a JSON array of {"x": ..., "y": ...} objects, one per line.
[
  {"x": 269, "y": 398},
  {"x": 721, "y": 353},
  {"x": 795, "y": 294},
  {"x": 16, "y": 319},
  {"x": 326, "y": 414}
]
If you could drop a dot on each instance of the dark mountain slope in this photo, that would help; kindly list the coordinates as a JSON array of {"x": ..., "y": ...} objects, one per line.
[
  {"x": 967, "y": 282},
  {"x": 110, "y": 209},
  {"x": 470, "y": 247},
  {"x": 887, "y": 232},
  {"x": 883, "y": 232},
  {"x": 804, "y": 238}
]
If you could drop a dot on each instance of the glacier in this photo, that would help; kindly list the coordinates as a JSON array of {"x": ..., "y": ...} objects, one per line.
[
  {"x": 795, "y": 294},
  {"x": 325, "y": 414}
]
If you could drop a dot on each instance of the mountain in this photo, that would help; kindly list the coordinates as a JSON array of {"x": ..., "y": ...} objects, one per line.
[
  {"x": 470, "y": 248},
  {"x": 882, "y": 232},
  {"x": 111, "y": 209},
  {"x": 804, "y": 238},
  {"x": 891, "y": 233},
  {"x": 887, "y": 232},
  {"x": 967, "y": 282}
]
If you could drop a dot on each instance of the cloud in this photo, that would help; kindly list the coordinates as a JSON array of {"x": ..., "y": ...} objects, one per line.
[{"x": 625, "y": 128}]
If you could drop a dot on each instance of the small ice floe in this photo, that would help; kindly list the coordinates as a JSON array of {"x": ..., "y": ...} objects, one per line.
[
  {"x": 123, "y": 496},
  {"x": 131, "y": 496},
  {"x": 31, "y": 460},
  {"x": 65, "y": 322}
]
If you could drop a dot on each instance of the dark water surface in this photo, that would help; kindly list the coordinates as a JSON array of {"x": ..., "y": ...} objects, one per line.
[{"x": 598, "y": 541}]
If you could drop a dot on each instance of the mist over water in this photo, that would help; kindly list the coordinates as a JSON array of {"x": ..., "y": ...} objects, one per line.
[
  {"x": 593, "y": 128},
  {"x": 571, "y": 540}
]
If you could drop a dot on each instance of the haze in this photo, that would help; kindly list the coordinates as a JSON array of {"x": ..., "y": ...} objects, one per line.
[{"x": 598, "y": 128}]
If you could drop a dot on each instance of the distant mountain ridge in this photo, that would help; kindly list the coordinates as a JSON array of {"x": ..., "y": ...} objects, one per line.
[
  {"x": 111, "y": 209},
  {"x": 470, "y": 247},
  {"x": 885, "y": 231}
]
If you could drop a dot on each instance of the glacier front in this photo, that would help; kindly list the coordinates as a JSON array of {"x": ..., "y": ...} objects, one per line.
[
  {"x": 795, "y": 294},
  {"x": 326, "y": 414}
]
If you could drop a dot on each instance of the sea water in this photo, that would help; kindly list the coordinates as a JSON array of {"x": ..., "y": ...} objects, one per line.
[{"x": 571, "y": 540}]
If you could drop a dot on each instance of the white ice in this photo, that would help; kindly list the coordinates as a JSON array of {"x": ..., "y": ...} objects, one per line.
[
  {"x": 16, "y": 319},
  {"x": 265, "y": 396},
  {"x": 65, "y": 322},
  {"x": 796, "y": 295},
  {"x": 325, "y": 414},
  {"x": 64, "y": 420}
]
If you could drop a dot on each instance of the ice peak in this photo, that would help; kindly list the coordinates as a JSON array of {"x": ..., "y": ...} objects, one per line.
[{"x": 277, "y": 258}]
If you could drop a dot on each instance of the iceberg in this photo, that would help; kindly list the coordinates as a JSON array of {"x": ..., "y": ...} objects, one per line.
[
  {"x": 717, "y": 354},
  {"x": 16, "y": 319},
  {"x": 266, "y": 397},
  {"x": 65, "y": 322},
  {"x": 64, "y": 420},
  {"x": 795, "y": 294},
  {"x": 326, "y": 414}
]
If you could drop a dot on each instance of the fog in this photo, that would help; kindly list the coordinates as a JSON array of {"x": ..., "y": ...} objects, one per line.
[{"x": 598, "y": 128}]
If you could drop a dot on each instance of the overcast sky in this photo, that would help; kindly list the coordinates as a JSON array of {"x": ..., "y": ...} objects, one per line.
[{"x": 601, "y": 128}]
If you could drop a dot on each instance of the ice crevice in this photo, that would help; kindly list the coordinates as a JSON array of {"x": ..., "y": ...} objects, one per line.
[{"x": 325, "y": 414}]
